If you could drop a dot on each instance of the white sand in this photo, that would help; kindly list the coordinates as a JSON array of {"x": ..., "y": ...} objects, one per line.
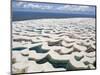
[{"x": 46, "y": 42}]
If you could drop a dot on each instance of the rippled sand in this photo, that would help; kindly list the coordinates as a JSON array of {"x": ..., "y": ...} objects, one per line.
[{"x": 53, "y": 45}]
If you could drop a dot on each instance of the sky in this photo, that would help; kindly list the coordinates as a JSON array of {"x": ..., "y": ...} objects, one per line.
[{"x": 51, "y": 7}]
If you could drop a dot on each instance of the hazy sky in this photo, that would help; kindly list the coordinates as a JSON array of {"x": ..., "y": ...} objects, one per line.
[{"x": 54, "y": 8}]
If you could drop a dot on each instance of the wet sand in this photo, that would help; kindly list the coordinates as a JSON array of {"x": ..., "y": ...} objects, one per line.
[{"x": 44, "y": 45}]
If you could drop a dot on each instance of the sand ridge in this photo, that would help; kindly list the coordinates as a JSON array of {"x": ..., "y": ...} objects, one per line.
[{"x": 53, "y": 45}]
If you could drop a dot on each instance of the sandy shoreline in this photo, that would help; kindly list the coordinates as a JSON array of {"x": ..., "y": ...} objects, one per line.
[{"x": 53, "y": 45}]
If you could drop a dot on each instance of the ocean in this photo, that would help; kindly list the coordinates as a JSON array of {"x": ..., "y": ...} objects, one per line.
[{"x": 23, "y": 15}]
